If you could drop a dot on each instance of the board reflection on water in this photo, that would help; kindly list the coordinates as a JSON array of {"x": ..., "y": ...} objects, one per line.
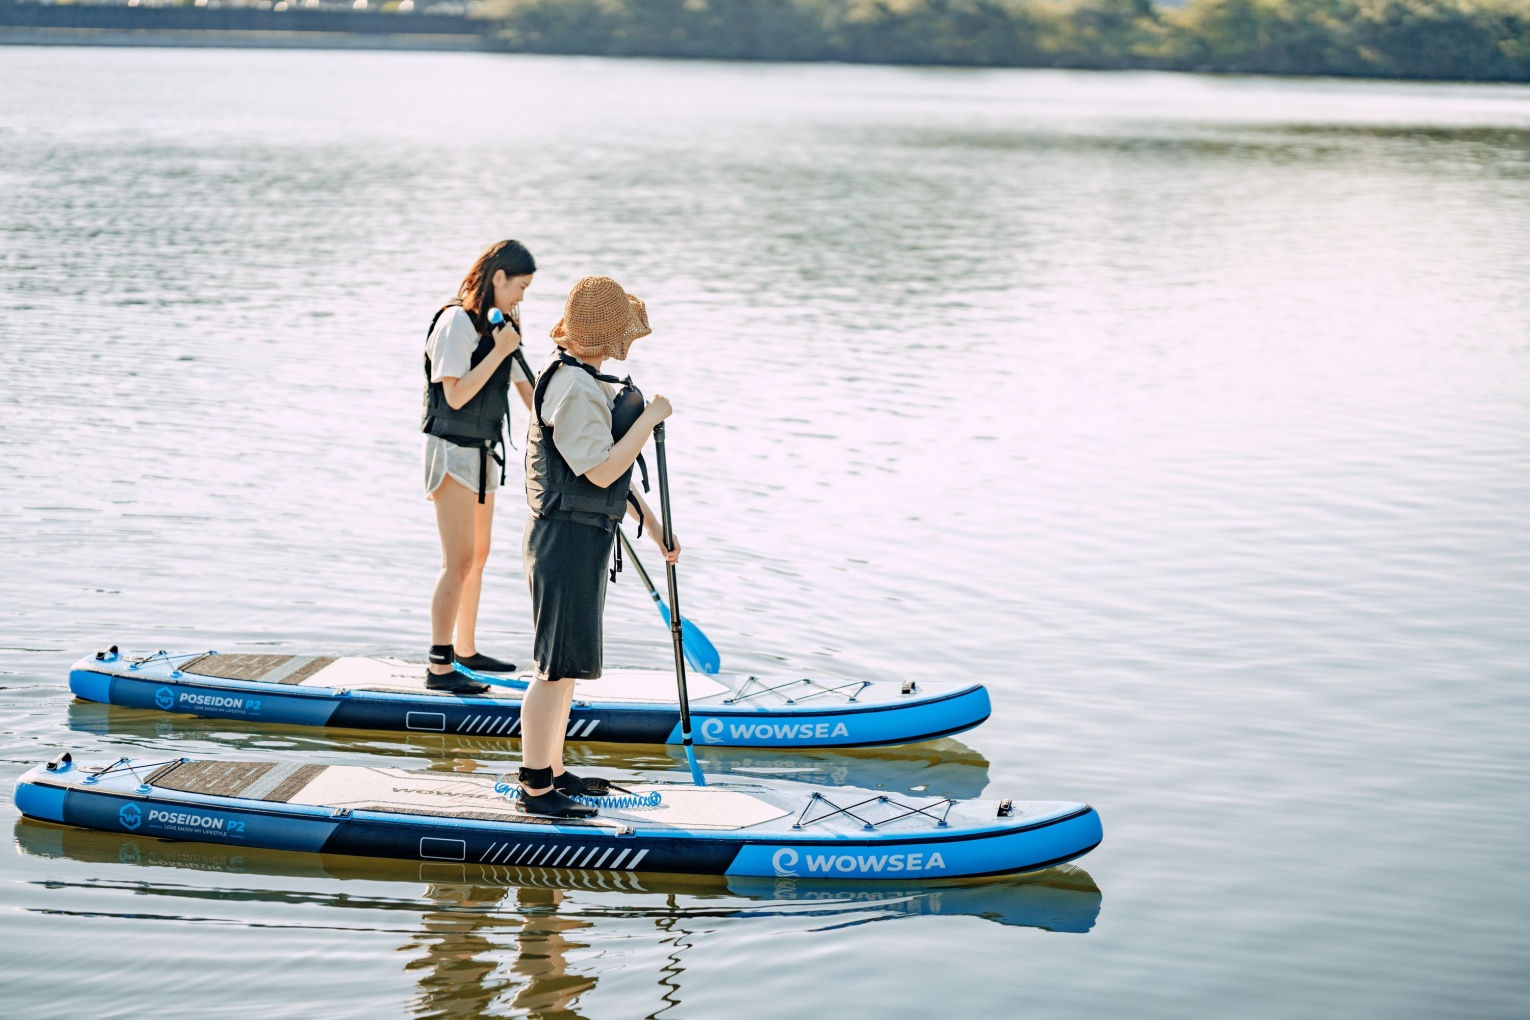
[{"x": 459, "y": 924}]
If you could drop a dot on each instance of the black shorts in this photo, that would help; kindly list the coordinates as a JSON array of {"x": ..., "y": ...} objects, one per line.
[{"x": 566, "y": 564}]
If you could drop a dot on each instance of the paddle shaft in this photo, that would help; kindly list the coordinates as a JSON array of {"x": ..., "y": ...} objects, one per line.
[
  {"x": 521, "y": 360},
  {"x": 674, "y": 586},
  {"x": 496, "y": 318}
]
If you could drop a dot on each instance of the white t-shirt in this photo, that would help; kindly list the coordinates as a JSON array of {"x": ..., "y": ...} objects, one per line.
[
  {"x": 451, "y": 345},
  {"x": 578, "y": 407}
]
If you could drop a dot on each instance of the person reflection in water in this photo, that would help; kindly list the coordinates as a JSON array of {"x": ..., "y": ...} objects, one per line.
[{"x": 464, "y": 937}]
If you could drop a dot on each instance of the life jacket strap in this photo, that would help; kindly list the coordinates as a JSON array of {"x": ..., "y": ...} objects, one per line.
[
  {"x": 486, "y": 448},
  {"x": 632, "y": 498}
]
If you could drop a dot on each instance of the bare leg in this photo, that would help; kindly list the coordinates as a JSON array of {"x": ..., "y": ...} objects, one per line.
[
  {"x": 455, "y": 505},
  {"x": 568, "y": 703},
  {"x": 544, "y": 719},
  {"x": 472, "y": 584}
]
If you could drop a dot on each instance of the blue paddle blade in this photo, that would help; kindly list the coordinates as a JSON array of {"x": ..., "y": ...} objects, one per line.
[
  {"x": 700, "y": 654},
  {"x": 690, "y": 757}
]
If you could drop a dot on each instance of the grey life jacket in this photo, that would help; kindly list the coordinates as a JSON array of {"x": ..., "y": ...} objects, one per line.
[
  {"x": 481, "y": 421},
  {"x": 552, "y": 488}
]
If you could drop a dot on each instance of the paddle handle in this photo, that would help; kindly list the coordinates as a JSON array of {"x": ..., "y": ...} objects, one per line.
[
  {"x": 497, "y": 318},
  {"x": 676, "y": 637}
]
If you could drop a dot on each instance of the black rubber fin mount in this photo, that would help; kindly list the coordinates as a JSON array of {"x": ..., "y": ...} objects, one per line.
[
  {"x": 60, "y": 763},
  {"x": 102, "y": 656},
  {"x": 1006, "y": 808}
]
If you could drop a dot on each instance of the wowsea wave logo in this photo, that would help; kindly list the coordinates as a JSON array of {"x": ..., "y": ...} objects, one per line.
[
  {"x": 165, "y": 699},
  {"x": 783, "y": 861},
  {"x": 130, "y": 817},
  {"x": 711, "y": 731}
]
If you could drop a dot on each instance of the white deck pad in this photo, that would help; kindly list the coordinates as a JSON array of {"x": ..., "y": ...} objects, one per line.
[
  {"x": 379, "y": 789},
  {"x": 689, "y": 807},
  {"x": 379, "y": 674},
  {"x": 400, "y": 677},
  {"x": 384, "y": 789},
  {"x": 646, "y": 685}
]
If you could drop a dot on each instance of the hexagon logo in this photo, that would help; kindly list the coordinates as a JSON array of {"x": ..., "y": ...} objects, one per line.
[
  {"x": 130, "y": 817},
  {"x": 165, "y": 699}
]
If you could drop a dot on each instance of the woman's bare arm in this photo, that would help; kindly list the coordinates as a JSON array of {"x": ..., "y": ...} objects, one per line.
[
  {"x": 625, "y": 450},
  {"x": 458, "y": 391},
  {"x": 653, "y": 526}
]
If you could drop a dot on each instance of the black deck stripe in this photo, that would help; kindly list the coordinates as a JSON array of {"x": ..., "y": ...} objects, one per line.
[{"x": 163, "y": 771}]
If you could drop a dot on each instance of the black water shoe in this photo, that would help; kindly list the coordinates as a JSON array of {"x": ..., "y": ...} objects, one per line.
[
  {"x": 555, "y": 805},
  {"x": 571, "y": 785},
  {"x": 453, "y": 683},
  {"x": 486, "y": 663}
]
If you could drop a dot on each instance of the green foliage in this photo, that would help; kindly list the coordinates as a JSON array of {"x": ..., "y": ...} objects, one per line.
[{"x": 1487, "y": 40}]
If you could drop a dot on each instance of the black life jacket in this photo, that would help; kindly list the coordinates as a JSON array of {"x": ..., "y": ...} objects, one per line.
[
  {"x": 481, "y": 421},
  {"x": 552, "y": 488}
]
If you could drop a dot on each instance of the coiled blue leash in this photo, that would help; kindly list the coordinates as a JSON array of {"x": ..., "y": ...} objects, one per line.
[{"x": 512, "y": 791}]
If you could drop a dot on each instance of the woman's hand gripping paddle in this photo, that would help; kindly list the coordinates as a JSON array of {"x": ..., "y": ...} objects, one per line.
[
  {"x": 699, "y": 651},
  {"x": 675, "y": 633},
  {"x": 497, "y": 318}
]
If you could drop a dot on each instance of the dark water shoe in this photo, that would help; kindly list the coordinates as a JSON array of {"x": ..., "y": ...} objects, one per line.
[
  {"x": 453, "y": 683},
  {"x": 571, "y": 785},
  {"x": 486, "y": 663},
  {"x": 555, "y": 805}
]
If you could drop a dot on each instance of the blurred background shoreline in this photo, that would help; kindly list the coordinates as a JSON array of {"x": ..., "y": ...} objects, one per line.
[{"x": 1434, "y": 40}]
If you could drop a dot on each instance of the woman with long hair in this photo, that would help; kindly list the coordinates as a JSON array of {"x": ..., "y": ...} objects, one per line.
[
  {"x": 468, "y": 376},
  {"x": 583, "y": 440}
]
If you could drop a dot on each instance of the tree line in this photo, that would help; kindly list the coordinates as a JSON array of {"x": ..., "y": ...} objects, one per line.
[{"x": 1472, "y": 40}]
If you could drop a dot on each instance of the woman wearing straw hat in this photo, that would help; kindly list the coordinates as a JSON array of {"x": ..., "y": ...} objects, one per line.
[{"x": 578, "y": 484}]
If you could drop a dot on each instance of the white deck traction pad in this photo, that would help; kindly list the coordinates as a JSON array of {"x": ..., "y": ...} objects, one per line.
[
  {"x": 400, "y": 677},
  {"x": 383, "y": 789},
  {"x": 646, "y": 685}
]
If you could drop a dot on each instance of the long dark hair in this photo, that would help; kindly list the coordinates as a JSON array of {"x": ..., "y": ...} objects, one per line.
[{"x": 477, "y": 290}]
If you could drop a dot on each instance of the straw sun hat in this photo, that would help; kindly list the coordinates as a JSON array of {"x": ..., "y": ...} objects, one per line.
[{"x": 600, "y": 320}]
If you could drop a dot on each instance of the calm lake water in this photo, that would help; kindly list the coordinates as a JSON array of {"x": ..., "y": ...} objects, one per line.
[{"x": 1190, "y": 414}]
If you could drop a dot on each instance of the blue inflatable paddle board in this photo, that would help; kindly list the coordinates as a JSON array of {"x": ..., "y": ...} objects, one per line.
[
  {"x": 624, "y": 706},
  {"x": 779, "y": 830}
]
